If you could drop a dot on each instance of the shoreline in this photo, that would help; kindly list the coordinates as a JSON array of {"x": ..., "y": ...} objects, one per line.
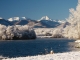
[{"x": 75, "y": 55}]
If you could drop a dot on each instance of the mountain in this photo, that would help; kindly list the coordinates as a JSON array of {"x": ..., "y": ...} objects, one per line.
[
  {"x": 4, "y": 22},
  {"x": 44, "y": 22},
  {"x": 19, "y": 20},
  {"x": 48, "y": 23},
  {"x": 48, "y": 19}
]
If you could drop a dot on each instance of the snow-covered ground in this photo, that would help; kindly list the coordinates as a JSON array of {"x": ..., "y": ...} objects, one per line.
[{"x": 55, "y": 56}]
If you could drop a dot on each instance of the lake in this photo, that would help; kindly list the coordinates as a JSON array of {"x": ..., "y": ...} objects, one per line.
[{"x": 22, "y": 48}]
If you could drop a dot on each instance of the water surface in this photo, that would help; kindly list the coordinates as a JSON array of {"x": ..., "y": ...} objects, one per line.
[{"x": 24, "y": 48}]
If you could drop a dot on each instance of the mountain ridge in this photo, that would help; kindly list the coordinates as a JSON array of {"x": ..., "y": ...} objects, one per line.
[{"x": 44, "y": 22}]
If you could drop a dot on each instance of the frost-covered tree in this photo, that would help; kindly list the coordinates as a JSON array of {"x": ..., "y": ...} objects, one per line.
[
  {"x": 73, "y": 30},
  {"x": 9, "y": 32},
  {"x": 16, "y": 32},
  {"x": 2, "y": 31}
]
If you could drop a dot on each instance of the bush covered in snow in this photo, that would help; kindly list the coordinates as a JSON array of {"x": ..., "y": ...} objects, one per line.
[
  {"x": 16, "y": 32},
  {"x": 57, "y": 33},
  {"x": 57, "y": 36}
]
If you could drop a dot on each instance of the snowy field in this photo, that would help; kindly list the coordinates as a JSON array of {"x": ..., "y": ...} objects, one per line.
[{"x": 57, "y": 56}]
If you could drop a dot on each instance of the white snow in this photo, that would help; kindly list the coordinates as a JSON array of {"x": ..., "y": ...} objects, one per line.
[
  {"x": 61, "y": 21},
  {"x": 16, "y": 18},
  {"x": 47, "y": 18},
  {"x": 55, "y": 56},
  {"x": 44, "y": 36},
  {"x": 78, "y": 44},
  {"x": 77, "y": 41}
]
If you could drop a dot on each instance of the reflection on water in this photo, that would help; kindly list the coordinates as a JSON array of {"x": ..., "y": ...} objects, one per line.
[{"x": 35, "y": 47}]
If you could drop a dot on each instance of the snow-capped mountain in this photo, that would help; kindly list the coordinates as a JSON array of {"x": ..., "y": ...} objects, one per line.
[
  {"x": 44, "y": 22},
  {"x": 16, "y": 18},
  {"x": 44, "y": 18},
  {"x": 47, "y": 18}
]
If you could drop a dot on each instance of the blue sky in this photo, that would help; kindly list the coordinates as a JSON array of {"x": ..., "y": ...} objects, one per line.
[{"x": 35, "y": 9}]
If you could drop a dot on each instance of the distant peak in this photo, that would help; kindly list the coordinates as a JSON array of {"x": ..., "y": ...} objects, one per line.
[
  {"x": 13, "y": 18},
  {"x": 16, "y": 18},
  {"x": 45, "y": 18}
]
